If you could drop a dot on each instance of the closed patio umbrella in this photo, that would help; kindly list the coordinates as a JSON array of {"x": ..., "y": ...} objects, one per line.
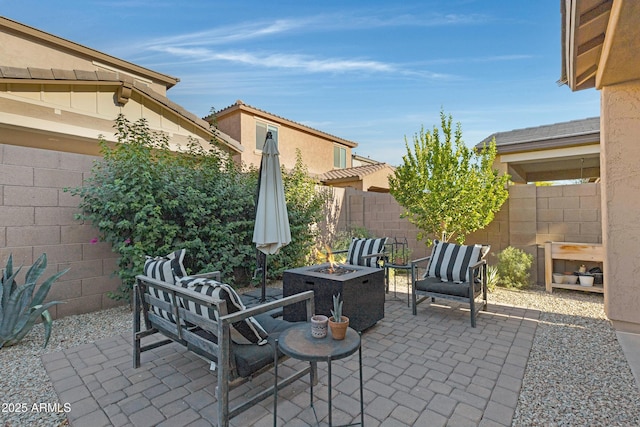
[{"x": 271, "y": 231}]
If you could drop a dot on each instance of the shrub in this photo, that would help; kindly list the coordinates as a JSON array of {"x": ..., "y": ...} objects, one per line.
[
  {"x": 20, "y": 308},
  {"x": 148, "y": 200},
  {"x": 513, "y": 268}
]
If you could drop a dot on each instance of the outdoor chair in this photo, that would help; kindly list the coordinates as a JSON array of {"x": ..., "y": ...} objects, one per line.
[
  {"x": 365, "y": 252},
  {"x": 453, "y": 272}
]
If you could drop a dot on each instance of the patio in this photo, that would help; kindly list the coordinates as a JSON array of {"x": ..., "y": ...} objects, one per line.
[{"x": 430, "y": 369}]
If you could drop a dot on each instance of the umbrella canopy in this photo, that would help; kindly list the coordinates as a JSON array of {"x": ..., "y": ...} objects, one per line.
[{"x": 271, "y": 231}]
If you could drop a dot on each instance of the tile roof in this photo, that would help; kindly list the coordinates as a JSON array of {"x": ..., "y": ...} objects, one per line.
[
  {"x": 357, "y": 172},
  {"x": 112, "y": 77},
  {"x": 562, "y": 134},
  {"x": 240, "y": 104}
]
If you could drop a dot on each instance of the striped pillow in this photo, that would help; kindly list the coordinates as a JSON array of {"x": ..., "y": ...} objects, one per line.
[
  {"x": 361, "y": 247},
  {"x": 247, "y": 331},
  {"x": 450, "y": 262},
  {"x": 165, "y": 269}
]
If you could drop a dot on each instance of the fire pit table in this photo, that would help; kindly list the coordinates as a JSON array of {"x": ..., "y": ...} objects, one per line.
[{"x": 361, "y": 289}]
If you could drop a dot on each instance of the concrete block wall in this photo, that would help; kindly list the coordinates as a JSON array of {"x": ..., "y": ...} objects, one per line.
[
  {"x": 530, "y": 217},
  {"x": 567, "y": 213},
  {"x": 37, "y": 217}
]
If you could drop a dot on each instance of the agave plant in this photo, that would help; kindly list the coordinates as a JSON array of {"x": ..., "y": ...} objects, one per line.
[
  {"x": 337, "y": 309},
  {"x": 492, "y": 277},
  {"x": 20, "y": 308}
]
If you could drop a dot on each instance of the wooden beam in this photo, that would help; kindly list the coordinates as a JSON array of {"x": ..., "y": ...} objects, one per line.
[
  {"x": 591, "y": 44},
  {"x": 596, "y": 12},
  {"x": 590, "y": 73}
]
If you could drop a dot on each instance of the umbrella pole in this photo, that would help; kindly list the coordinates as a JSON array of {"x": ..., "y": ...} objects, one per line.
[
  {"x": 264, "y": 280},
  {"x": 263, "y": 297}
]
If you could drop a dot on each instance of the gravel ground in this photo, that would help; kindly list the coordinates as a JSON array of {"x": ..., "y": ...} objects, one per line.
[{"x": 576, "y": 376}]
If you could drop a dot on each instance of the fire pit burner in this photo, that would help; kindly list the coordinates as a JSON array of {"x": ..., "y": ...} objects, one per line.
[{"x": 334, "y": 271}]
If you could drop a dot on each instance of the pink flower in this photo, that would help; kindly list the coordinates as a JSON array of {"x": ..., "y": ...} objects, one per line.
[
  {"x": 126, "y": 242},
  {"x": 94, "y": 241}
]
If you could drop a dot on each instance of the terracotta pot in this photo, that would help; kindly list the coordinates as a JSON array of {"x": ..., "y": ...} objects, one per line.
[
  {"x": 339, "y": 329},
  {"x": 319, "y": 326}
]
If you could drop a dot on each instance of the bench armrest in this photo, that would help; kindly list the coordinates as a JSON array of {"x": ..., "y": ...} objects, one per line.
[
  {"x": 215, "y": 275},
  {"x": 263, "y": 308}
]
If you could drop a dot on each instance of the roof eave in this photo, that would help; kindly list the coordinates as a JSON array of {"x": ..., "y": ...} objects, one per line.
[
  {"x": 14, "y": 26},
  {"x": 258, "y": 112}
]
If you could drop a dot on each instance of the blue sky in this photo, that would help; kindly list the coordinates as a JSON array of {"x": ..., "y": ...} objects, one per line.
[{"x": 373, "y": 72}]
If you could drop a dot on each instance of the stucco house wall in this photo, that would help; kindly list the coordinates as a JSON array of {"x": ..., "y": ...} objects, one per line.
[
  {"x": 620, "y": 112},
  {"x": 316, "y": 147}
]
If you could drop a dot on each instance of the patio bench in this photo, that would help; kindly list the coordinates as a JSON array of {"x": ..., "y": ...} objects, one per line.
[{"x": 205, "y": 324}]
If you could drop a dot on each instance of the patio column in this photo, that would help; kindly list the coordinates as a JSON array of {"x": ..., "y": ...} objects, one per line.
[{"x": 620, "y": 172}]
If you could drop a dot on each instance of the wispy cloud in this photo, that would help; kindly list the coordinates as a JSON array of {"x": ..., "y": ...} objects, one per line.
[
  {"x": 488, "y": 58},
  {"x": 322, "y": 23},
  {"x": 208, "y": 45},
  {"x": 227, "y": 35},
  {"x": 279, "y": 60}
]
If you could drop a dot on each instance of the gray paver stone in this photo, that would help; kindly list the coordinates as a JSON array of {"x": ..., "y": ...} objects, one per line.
[
  {"x": 442, "y": 404},
  {"x": 147, "y": 417}
]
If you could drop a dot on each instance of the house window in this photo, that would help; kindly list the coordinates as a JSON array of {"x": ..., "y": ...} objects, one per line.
[
  {"x": 261, "y": 134},
  {"x": 339, "y": 157}
]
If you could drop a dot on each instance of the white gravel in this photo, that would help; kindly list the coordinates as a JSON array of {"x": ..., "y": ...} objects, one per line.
[
  {"x": 23, "y": 380},
  {"x": 577, "y": 374}
]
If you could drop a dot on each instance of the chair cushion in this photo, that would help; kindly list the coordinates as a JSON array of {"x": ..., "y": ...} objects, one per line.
[
  {"x": 361, "y": 247},
  {"x": 247, "y": 331},
  {"x": 166, "y": 269},
  {"x": 450, "y": 262},
  {"x": 435, "y": 285},
  {"x": 251, "y": 358}
]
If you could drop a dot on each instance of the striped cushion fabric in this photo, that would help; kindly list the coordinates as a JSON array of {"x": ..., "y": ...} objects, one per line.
[
  {"x": 165, "y": 269},
  {"x": 450, "y": 262},
  {"x": 361, "y": 247},
  {"x": 247, "y": 331}
]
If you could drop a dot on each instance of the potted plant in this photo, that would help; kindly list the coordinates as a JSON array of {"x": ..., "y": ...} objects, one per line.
[{"x": 337, "y": 322}]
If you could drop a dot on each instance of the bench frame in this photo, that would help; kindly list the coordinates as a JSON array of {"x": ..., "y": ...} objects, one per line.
[{"x": 182, "y": 333}]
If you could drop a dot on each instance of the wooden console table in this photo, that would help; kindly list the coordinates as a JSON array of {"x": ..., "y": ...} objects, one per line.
[{"x": 574, "y": 252}]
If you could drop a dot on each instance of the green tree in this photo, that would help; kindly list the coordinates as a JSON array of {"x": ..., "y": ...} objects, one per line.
[
  {"x": 447, "y": 189},
  {"x": 146, "y": 199}
]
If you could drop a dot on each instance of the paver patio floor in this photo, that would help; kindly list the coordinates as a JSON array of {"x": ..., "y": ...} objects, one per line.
[{"x": 432, "y": 369}]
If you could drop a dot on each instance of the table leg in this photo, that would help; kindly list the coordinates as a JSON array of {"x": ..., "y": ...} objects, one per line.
[
  {"x": 312, "y": 379},
  {"x": 361, "y": 392},
  {"x": 329, "y": 372}
]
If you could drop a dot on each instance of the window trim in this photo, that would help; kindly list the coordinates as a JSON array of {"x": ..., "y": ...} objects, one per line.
[
  {"x": 342, "y": 153},
  {"x": 270, "y": 127}
]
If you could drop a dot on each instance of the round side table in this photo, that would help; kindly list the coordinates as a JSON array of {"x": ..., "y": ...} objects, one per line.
[{"x": 297, "y": 343}]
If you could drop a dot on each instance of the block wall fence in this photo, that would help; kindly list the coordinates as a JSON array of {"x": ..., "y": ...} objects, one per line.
[
  {"x": 37, "y": 216},
  {"x": 531, "y": 216}
]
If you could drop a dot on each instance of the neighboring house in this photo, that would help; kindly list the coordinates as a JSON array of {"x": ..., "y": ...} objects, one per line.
[
  {"x": 56, "y": 98},
  {"x": 371, "y": 177},
  {"x": 321, "y": 152},
  {"x": 57, "y": 94},
  {"x": 560, "y": 151},
  {"x": 357, "y": 160},
  {"x": 600, "y": 45}
]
